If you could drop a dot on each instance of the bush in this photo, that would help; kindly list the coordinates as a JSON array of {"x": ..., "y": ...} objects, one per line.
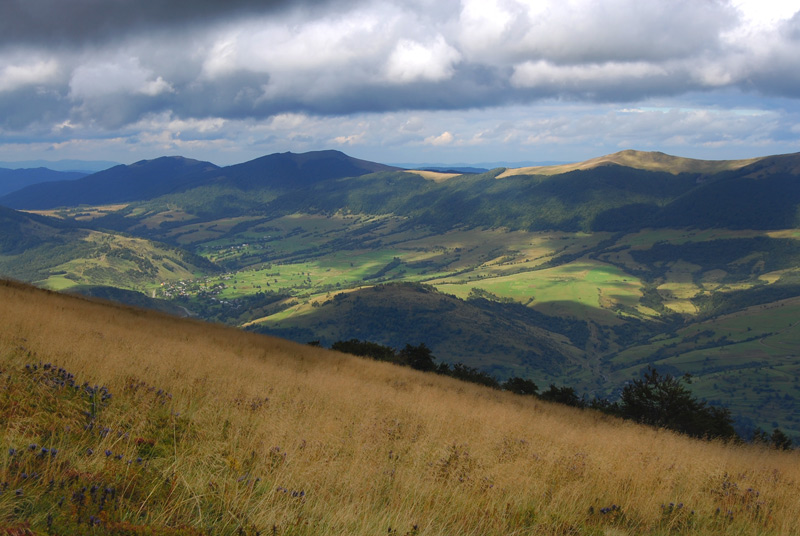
[
  {"x": 563, "y": 395},
  {"x": 662, "y": 400},
  {"x": 520, "y": 386},
  {"x": 365, "y": 349}
]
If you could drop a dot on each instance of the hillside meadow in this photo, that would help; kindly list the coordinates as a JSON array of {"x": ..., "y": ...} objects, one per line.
[{"x": 120, "y": 421}]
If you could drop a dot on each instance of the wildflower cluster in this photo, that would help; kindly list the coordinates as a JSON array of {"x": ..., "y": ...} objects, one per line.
[
  {"x": 291, "y": 493},
  {"x": 59, "y": 379},
  {"x": 83, "y": 476},
  {"x": 734, "y": 501},
  {"x": 51, "y": 376},
  {"x": 677, "y": 516},
  {"x": 135, "y": 386},
  {"x": 607, "y": 514}
]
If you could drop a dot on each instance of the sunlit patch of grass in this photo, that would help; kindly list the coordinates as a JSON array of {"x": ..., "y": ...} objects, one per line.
[
  {"x": 587, "y": 283},
  {"x": 83, "y": 213},
  {"x": 121, "y": 261}
]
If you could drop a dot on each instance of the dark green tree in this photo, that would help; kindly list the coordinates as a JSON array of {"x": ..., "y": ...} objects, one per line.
[
  {"x": 463, "y": 372},
  {"x": 563, "y": 395},
  {"x": 664, "y": 401},
  {"x": 760, "y": 436},
  {"x": 365, "y": 349},
  {"x": 520, "y": 386},
  {"x": 418, "y": 357},
  {"x": 780, "y": 440}
]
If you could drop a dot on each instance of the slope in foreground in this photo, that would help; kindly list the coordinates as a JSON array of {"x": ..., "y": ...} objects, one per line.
[{"x": 188, "y": 428}]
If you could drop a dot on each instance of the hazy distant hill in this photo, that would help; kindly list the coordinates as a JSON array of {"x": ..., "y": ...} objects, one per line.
[
  {"x": 644, "y": 160},
  {"x": 150, "y": 179},
  {"x": 82, "y": 166},
  {"x": 15, "y": 179},
  {"x": 621, "y": 192},
  {"x": 608, "y": 197},
  {"x": 142, "y": 180}
]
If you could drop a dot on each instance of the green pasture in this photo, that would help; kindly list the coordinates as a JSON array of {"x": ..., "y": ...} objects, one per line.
[
  {"x": 297, "y": 238},
  {"x": 589, "y": 283},
  {"x": 331, "y": 273},
  {"x": 760, "y": 332},
  {"x": 58, "y": 283}
]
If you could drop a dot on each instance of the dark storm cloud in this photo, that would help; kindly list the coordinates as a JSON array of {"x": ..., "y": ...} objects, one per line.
[
  {"x": 66, "y": 22},
  {"x": 23, "y": 108}
]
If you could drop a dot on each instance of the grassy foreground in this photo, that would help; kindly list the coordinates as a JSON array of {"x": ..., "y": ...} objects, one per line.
[{"x": 189, "y": 428}]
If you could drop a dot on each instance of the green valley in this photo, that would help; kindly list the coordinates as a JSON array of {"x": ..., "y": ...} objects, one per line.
[{"x": 577, "y": 275}]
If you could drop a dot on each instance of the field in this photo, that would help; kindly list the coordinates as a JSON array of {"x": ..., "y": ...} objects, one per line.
[
  {"x": 588, "y": 283},
  {"x": 213, "y": 431}
]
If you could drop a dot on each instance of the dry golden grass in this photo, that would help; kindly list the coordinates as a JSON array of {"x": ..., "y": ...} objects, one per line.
[
  {"x": 375, "y": 448},
  {"x": 86, "y": 213},
  {"x": 650, "y": 161},
  {"x": 434, "y": 176}
]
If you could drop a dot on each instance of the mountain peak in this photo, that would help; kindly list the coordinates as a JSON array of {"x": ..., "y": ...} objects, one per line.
[
  {"x": 120, "y": 184},
  {"x": 300, "y": 169},
  {"x": 645, "y": 160}
]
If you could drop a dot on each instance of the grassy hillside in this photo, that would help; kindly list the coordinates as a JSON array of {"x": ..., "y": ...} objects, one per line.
[
  {"x": 60, "y": 255},
  {"x": 185, "y": 428},
  {"x": 503, "y": 339},
  {"x": 646, "y": 160}
]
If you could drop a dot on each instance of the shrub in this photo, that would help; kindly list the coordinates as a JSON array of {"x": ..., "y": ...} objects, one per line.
[{"x": 664, "y": 401}]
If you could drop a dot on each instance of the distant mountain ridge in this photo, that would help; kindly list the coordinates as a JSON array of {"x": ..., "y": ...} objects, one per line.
[
  {"x": 644, "y": 160},
  {"x": 16, "y": 179},
  {"x": 625, "y": 191},
  {"x": 291, "y": 170},
  {"x": 148, "y": 179},
  {"x": 84, "y": 166},
  {"x": 141, "y": 180}
]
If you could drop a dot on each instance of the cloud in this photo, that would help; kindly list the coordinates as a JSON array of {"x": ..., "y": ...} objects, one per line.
[
  {"x": 585, "y": 77},
  {"x": 107, "y": 68},
  {"x": 411, "y": 61},
  {"x": 125, "y": 76},
  {"x": 353, "y": 139},
  {"x": 85, "y": 21},
  {"x": 445, "y": 138},
  {"x": 17, "y": 75}
]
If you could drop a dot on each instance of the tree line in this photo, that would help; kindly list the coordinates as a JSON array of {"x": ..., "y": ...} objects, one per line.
[{"x": 657, "y": 399}]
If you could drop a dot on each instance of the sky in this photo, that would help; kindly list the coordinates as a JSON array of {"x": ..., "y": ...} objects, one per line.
[{"x": 441, "y": 81}]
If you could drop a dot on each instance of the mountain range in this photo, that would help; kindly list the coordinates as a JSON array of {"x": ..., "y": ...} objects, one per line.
[
  {"x": 581, "y": 274},
  {"x": 16, "y": 179}
]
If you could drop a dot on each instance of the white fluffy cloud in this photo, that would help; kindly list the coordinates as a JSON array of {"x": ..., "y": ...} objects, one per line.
[
  {"x": 411, "y": 61},
  {"x": 123, "y": 76},
  {"x": 445, "y": 138},
  {"x": 586, "y": 76},
  {"x": 25, "y": 74}
]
